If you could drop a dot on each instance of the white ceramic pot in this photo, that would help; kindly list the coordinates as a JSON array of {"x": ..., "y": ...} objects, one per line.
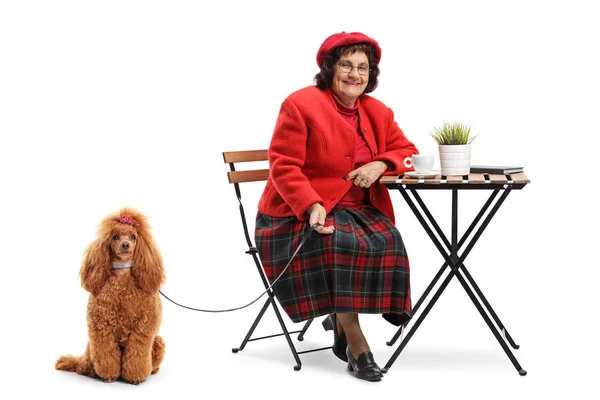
[{"x": 455, "y": 159}]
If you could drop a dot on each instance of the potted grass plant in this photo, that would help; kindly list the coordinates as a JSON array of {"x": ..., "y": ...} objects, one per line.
[{"x": 454, "y": 144}]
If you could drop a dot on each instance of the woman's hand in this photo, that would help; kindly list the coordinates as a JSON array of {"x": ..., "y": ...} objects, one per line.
[
  {"x": 365, "y": 175},
  {"x": 316, "y": 215}
]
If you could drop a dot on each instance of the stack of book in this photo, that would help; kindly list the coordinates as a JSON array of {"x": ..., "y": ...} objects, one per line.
[{"x": 495, "y": 169}]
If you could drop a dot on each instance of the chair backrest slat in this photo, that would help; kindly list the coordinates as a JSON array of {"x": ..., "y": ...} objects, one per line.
[
  {"x": 245, "y": 156},
  {"x": 254, "y": 175},
  {"x": 248, "y": 175}
]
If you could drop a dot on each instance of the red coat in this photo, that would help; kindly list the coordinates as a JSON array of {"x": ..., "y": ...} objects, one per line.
[{"x": 312, "y": 151}]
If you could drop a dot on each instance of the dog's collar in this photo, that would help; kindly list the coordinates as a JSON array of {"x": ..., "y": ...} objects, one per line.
[{"x": 122, "y": 264}]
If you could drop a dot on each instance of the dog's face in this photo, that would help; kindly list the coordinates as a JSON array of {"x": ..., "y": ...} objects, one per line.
[{"x": 122, "y": 242}]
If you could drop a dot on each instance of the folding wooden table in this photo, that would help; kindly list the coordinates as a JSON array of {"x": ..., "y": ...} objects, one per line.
[{"x": 497, "y": 184}]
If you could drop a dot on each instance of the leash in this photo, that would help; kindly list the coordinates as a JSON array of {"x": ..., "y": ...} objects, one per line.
[{"x": 306, "y": 235}]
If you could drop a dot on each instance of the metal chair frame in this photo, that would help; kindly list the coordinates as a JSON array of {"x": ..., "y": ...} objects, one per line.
[{"x": 237, "y": 177}]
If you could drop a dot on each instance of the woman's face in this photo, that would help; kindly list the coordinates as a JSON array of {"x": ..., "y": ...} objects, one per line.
[{"x": 347, "y": 86}]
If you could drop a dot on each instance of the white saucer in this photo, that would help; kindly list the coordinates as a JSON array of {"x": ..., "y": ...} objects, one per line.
[{"x": 431, "y": 174}]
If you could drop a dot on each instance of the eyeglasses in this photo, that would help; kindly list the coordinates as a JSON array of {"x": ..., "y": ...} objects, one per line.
[{"x": 347, "y": 67}]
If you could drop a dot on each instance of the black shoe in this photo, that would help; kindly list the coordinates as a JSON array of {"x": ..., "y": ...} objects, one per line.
[
  {"x": 365, "y": 367},
  {"x": 339, "y": 341}
]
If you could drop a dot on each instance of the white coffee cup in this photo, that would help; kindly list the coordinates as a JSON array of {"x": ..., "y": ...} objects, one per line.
[{"x": 422, "y": 163}]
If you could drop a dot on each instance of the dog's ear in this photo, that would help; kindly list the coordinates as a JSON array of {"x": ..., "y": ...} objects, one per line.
[
  {"x": 95, "y": 269},
  {"x": 148, "y": 264}
]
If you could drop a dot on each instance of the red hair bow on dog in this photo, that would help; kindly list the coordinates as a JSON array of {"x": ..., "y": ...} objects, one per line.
[{"x": 126, "y": 220}]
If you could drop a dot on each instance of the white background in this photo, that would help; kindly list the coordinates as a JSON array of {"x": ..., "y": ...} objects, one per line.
[{"x": 114, "y": 103}]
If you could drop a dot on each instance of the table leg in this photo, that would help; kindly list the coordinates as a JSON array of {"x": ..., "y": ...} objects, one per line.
[
  {"x": 489, "y": 308},
  {"x": 456, "y": 263},
  {"x": 467, "y": 233},
  {"x": 489, "y": 323},
  {"x": 414, "y": 328},
  {"x": 418, "y": 304},
  {"x": 440, "y": 233}
]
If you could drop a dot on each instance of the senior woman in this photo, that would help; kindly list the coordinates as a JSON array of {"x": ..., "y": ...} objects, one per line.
[{"x": 330, "y": 146}]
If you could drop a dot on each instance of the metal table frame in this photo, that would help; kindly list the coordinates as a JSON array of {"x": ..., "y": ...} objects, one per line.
[{"x": 450, "y": 248}]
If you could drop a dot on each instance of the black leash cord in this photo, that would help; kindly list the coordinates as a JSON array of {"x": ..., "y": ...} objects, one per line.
[{"x": 306, "y": 235}]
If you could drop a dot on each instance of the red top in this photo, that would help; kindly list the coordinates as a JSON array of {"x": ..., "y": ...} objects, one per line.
[
  {"x": 355, "y": 196},
  {"x": 312, "y": 151}
]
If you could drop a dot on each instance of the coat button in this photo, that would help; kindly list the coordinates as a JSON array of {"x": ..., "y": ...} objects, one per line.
[
  {"x": 373, "y": 198},
  {"x": 365, "y": 129},
  {"x": 376, "y": 152}
]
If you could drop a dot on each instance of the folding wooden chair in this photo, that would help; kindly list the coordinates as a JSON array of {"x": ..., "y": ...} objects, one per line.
[{"x": 256, "y": 175}]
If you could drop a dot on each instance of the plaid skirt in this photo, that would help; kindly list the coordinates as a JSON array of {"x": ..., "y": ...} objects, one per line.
[{"x": 361, "y": 268}]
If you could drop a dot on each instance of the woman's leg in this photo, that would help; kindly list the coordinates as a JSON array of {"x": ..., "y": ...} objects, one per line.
[
  {"x": 357, "y": 343},
  {"x": 360, "y": 358},
  {"x": 340, "y": 327}
]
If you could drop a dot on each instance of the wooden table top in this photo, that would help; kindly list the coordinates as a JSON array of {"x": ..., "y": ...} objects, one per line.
[{"x": 474, "y": 181}]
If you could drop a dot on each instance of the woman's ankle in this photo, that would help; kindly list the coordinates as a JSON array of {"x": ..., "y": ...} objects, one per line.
[
  {"x": 339, "y": 326},
  {"x": 357, "y": 350}
]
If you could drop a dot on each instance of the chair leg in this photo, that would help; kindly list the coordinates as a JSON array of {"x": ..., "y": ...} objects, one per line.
[
  {"x": 252, "y": 328},
  {"x": 304, "y": 329},
  {"x": 298, "y": 365},
  {"x": 286, "y": 333}
]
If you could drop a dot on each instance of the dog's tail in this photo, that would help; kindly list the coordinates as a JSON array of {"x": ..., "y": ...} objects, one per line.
[
  {"x": 81, "y": 364},
  {"x": 158, "y": 353}
]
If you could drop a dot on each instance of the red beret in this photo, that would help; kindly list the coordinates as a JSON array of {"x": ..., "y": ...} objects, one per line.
[{"x": 343, "y": 38}]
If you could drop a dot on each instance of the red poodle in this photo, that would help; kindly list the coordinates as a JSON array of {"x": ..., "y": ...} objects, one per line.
[{"x": 123, "y": 271}]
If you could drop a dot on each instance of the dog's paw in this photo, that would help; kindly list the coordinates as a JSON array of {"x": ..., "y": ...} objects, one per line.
[
  {"x": 110, "y": 380},
  {"x": 135, "y": 382},
  {"x": 66, "y": 363}
]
